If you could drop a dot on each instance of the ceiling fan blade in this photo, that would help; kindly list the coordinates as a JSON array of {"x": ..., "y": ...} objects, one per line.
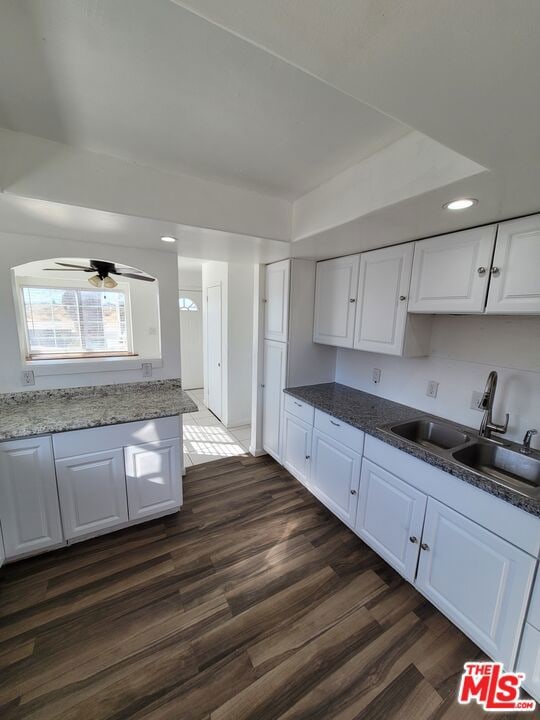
[
  {"x": 75, "y": 267},
  {"x": 64, "y": 269},
  {"x": 135, "y": 277}
]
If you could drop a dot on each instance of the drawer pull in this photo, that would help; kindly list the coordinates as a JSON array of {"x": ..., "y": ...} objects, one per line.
[
  {"x": 413, "y": 539},
  {"x": 335, "y": 423},
  {"x": 424, "y": 546},
  {"x": 297, "y": 403}
]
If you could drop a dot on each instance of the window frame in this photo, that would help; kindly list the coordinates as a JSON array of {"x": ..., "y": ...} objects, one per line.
[{"x": 53, "y": 284}]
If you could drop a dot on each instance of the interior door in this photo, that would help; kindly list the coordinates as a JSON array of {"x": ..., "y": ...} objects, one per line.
[
  {"x": 275, "y": 358},
  {"x": 191, "y": 342},
  {"x": 276, "y": 310},
  {"x": 214, "y": 349},
  {"x": 381, "y": 307}
]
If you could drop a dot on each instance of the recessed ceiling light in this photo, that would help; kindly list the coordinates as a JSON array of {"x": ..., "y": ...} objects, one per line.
[
  {"x": 168, "y": 238},
  {"x": 460, "y": 204}
]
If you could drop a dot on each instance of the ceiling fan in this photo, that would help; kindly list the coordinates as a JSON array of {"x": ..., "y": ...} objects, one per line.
[{"x": 103, "y": 272}]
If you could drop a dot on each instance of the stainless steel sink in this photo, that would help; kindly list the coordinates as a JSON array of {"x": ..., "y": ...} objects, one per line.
[
  {"x": 429, "y": 433},
  {"x": 509, "y": 467}
]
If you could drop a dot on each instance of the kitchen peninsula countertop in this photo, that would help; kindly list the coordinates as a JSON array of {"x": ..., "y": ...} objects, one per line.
[{"x": 41, "y": 412}]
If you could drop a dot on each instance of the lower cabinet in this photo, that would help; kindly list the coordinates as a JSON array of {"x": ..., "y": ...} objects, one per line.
[
  {"x": 529, "y": 660},
  {"x": 335, "y": 476},
  {"x": 275, "y": 368},
  {"x": 297, "y": 447},
  {"x": 92, "y": 490},
  {"x": 390, "y": 518},
  {"x": 478, "y": 580},
  {"x": 29, "y": 510},
  {"x": 153, "y": 473}
]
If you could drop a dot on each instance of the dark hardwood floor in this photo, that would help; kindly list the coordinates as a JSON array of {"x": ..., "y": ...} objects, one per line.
[{"x": 252, "y": 602}]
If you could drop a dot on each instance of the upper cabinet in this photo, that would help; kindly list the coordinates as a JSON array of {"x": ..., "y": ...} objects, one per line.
[
  {"x": 515, "y": 272},
  {"x": 335, "y": 298},
  {"x": 276, "y": 312},
  {"x": 451, "y": 272}
]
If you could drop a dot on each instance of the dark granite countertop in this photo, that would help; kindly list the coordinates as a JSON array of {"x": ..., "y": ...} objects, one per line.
[
  {"x": 369, "y": 413},
  {"x": 42, "y": 412}
]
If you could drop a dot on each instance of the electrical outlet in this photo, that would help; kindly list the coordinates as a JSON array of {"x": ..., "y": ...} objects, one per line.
[
  {"x": 432, "y": 389},
  {"x": 27, "y": 377},
  {"x": 147, "y": 369},
  {"x": 376, "y": 375},
  {"x": 476, "y": 400}
]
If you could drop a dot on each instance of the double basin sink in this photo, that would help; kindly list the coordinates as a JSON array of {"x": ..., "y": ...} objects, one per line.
[{"x": 500, "y": 461}]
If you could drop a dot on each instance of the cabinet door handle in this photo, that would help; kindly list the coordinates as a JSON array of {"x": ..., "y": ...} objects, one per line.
[
  {"x": 495, "y": 270},
  {"x": 413, "y": 539},
  {"x": 424, "y": 546},
  {"x": 481, "y": 270},
  {"x": 402, "y": 297},
  {"x": 335, "y": 423},
  {"x": 352, "y": 300},
  {"x": 353, "y": 492},
  {"x": 307, "y": 457}
]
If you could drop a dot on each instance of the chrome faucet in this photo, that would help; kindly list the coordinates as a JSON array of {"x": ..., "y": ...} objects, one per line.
[
  {"x": 526, "y": 445},
  {"x": 487, "y": 426}
]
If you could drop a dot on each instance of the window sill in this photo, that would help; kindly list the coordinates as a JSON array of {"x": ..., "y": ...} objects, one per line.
[{"x": 74, "y": 366}]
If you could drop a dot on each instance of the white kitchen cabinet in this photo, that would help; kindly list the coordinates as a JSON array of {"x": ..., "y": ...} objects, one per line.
[
  {"x": 297, "y": 447},
  {"x": 382, "y": 322},
  {"x": 335, "y": 476},
  {"x": 29, "y": 509},
  {"x": 529, "y": 660},
  {"x": 154, "y": 477},
  {"x": 477, "y": 579},
  {"x": 276, "y": 310},
  {"x": 515, "y": 273},
  {"x": 390, "y": 518},
  {"x": 274, "y": 374},
  {"x": 335, "y": 300},
  {"x": 2, "y": 551},
  {"x": 451, "y": 272},
  {"x": 92, "y": 490}
]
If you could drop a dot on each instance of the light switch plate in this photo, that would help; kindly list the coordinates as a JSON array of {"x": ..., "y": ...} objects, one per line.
[{"x": 432, "y": 389}]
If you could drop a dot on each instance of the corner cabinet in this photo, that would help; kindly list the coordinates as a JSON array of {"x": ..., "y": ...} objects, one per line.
[
  {"x": 335, "y": 298},
  {"x": 29, "y": 508},
  {"x": 153, "y": 475},
  {"x": 451, "y": 272}
]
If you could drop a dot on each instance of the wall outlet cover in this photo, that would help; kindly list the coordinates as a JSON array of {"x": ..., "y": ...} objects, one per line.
[
  {"x": 376, "y": 375},
  {"x": 432, "y": 389},
  {"x": 27, "y": 377},
  {"x": 147, "y": 369}
]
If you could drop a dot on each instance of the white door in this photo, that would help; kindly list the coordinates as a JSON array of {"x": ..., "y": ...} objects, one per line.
[
  {"x": 335, "y": 299},
  {"x": 276, "y": 309},
  {"x": 451, "y": 273},
  {"x": 275, "y": 366},
  {"x": 479, "y": 581},
  {"x": 191, "y": 343},
  {"x": 515, "y": 274},
  {"x": 154, "y": 479},
  {"x": 296, "y": 447},
  {"x": 390, "y": 517},
  {"x": 29, "y": 509},
  {"x": 92, "y": 490},
  {"x": 381, "y": 307},
  {"x": 335, "y": 476},
  {"x": 214, "y": 349}
]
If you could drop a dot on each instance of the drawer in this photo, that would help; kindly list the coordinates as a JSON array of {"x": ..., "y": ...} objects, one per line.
[
  {"x": 529, "y": 660},
  {"x": 534, "y": 609},
  {"x": 80, "y": 442},
  {"x": 299, "y": 408},
  {"x": 340, "y": 431}
]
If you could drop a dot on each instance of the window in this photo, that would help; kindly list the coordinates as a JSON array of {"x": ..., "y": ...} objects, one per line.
[
  {"x": 188, "y": 304},
  {"x": 75, "y": 322}
]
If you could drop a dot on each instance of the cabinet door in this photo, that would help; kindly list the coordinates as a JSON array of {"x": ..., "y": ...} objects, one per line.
[
  {"x": 276, "y": 310},
  {"x": 275, "y": 359},
  {"x": 451, "y": 273},
  {"x": 154, "y": 477},
  {"x": 29, "y": 510},
  {"x": 335, "y": 300},
  {"x": 529, "y": 660},
  {"x": 92, "y": 491},
  {"x": 515, "y": 275},
  {"x": 296, "y": 447},
  {"x": 479, "y": 581},
  {"x": 381, "y": 307},
  {"x": 335, "y": 475},
  {"x": 390, "y": 517}
]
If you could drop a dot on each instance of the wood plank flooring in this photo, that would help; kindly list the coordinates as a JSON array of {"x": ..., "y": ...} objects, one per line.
[{"x": 252, "y": 602}]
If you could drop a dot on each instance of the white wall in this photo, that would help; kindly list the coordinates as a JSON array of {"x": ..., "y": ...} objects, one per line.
[
  {"x": 189, "y": 278},
  {"x": 463, "y": 351},
  {"x": 19, "y": 249}
]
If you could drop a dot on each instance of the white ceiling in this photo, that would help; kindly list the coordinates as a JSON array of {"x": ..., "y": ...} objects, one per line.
[{"x": 156, "y": 84}]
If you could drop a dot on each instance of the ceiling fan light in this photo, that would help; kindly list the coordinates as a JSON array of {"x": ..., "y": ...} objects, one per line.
[
  {"x": 95, "y": 280},
  {"x": 110, "y": 283}
]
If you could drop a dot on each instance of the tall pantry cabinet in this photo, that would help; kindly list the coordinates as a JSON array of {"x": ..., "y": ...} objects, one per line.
[{"x": 290, "y": 357}]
